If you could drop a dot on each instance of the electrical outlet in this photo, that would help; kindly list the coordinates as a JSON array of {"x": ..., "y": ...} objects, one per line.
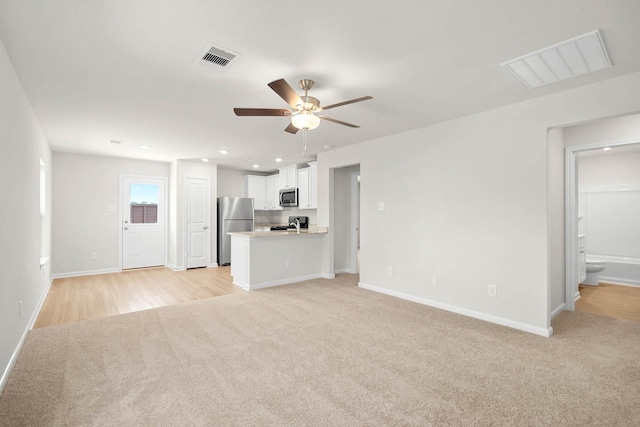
[
  {"x": 389, "y": 271},
  {"x": 434, "y": 279},
  {"x": 94, "y": 255},
  {"x": 492, "y": 290},
  {"x": 20, "y": 308},
  {"x": 288, "y": 262}
]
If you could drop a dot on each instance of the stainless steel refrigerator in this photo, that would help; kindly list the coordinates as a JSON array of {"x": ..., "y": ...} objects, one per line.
[{"x": 234, "y": 214}]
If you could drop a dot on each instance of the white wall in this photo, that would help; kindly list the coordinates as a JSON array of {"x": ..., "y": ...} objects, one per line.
[
  {"x": 83, "y": 187},
  {"x": 22, "y": 146},
  {"x": 609, "y": 129},
  {"x": 180, "y": 170},
  {"x": 555, "y": 192},
  {"x": 479, "y": 184},
  {"x": 230, "y": 182},
  {"x": 609, "y": 169}
]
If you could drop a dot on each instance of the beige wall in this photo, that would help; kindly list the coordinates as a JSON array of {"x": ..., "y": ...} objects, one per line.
[
  {"x": 479, "y": 188},
  {"x": 230, "y": 182},
  {"x": 22, "y": 146},
  {"x": 609, "y": 169}
]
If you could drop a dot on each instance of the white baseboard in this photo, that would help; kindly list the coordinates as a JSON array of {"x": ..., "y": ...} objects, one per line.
[
  {"x": 328, "y": 276},
  {"x": 14, "y": 357},
  {"x": 558, "y": 310},
  {"x": 576, "y": 296},
  {"x": 281, "y": 282},
  {"x": 85, "y": 273},
  {"x": 175, "y": 267},
  {"x": 342, "y": 270},
  {"x": 214, "y": 265},
  {"x": 619, "y": 281},
  {"x": 465, "y": 312}
]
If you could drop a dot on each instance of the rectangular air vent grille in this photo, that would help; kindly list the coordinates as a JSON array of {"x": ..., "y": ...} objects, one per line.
[
  {"x": 580, "y": 55},
  {"x": 217, "y": 57}
]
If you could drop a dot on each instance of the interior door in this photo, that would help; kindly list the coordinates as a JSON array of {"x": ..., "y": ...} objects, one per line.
[
  {"x": 143, "y": 222},
  {"x": 198, "y": 222}
]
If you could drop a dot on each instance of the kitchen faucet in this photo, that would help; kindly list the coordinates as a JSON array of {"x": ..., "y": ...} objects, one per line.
[{"x": 296, "y": 224}]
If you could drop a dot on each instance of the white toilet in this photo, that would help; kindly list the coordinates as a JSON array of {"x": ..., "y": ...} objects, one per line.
[{"x": 594, "y": 266}]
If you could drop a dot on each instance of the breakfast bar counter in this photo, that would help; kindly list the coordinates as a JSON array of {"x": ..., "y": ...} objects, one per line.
[{"x": 260, "y": 259}]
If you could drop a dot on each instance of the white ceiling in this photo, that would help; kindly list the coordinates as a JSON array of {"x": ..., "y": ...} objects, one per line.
[{"x": 121, "y": 70}]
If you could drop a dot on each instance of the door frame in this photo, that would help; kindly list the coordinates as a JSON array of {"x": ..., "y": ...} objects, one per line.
[
  {"x": 185, "y": 231},
  {"x": 121, "y": 213},
  {"x": 571, "y": 215},
  {"x": 355, "y": 219}
]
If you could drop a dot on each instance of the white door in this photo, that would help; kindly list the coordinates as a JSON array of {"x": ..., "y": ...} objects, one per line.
[
  {"x": 143, "y": 222},
  {"x": 198, "y": 222}
]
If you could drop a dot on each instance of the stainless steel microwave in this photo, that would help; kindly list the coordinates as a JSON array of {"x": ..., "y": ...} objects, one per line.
[{"x": 289, "y": 197}]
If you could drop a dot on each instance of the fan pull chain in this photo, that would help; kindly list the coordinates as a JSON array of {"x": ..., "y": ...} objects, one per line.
[{"x": 304, "y": 142}]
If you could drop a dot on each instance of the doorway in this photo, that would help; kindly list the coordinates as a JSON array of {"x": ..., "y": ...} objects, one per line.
[
  {"x": 354, "y": 264},
  {"x": 575, "y": 231},
  {"x": 143, "y": 223}
]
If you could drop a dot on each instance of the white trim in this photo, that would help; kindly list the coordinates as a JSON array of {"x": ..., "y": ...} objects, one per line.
[
  {"x": 571, "y": 215},
  {"x": 558, "y": 310},
  {"x": 328, "y": 276},
  {"x": 44, "y": 260},
  {"x": 355, "y": 216},
  {"x": 279, "y": 282},
  {"x": 14, "y": 357},
  {"x": 86, "y": 273},
  {"x": 465, "y": 312},
  {"x": 619, "y": 281},
  {"x": 175, "y": 267},
  {"x": 342, "y": 270},
  {"x": 214, "y": 265}
]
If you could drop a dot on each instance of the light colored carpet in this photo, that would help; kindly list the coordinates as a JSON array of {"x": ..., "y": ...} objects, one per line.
[{"x": 323, "y": 353}]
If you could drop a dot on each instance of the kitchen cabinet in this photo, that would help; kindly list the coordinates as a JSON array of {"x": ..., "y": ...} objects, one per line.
[
  {"x": 308, "y": 187},
  {"x": 255, "y": 188},
  {"x": 272, "y": 195},
  {"x": 289, "y": 176},
  {"x": 264, "y": 190}
]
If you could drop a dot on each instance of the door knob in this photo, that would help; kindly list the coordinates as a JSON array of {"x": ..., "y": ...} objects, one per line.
[{"x": 126, "y": 228}]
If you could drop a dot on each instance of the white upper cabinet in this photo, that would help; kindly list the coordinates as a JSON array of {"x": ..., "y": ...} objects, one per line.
[
  {"x": 255, "y": 188},
  {"x": 289, "y": 176},
  {"x": 264, "y": 190},
  {"x": 272, "y": 195},
  {"x": 308, "y": 187}
]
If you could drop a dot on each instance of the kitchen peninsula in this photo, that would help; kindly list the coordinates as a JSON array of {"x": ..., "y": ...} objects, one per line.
[{"x": 260, "y": 259}]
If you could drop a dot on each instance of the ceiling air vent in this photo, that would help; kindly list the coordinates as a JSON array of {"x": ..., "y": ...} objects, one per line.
[
  {"x": 580, "y": 55},
  {"x": 217, "y": 57}
]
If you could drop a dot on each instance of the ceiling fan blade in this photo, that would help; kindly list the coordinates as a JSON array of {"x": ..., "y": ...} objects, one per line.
[
  {"x": 291, "y": 129},
  {"x": 340, "y": 104},
  {"x": 286, "y": 92},
  {"x": 329, "y": 119},
  {"x": 261, "y": 112}
]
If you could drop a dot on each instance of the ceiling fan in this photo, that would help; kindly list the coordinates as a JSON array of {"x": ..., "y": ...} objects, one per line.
[{"x": 303, "y": 110}]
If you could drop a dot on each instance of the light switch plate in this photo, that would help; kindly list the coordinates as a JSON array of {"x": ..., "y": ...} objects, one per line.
[{"x": 380, "y": 206}]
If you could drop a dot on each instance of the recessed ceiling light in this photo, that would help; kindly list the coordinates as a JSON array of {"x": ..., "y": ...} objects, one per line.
[
  {"x": 278, "y": 159},
  {"x": 326, "y": 147},
  {"x": 205, "y": 160},
  {"x": 145, "y": 147},
  {"x": 256, "y": 166},
  {"x": 222, "y": 151},
  {"x": 607, "y": 148}
]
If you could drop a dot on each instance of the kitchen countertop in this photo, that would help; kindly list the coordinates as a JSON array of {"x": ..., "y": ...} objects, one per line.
[{"x": 312, "y": 230}]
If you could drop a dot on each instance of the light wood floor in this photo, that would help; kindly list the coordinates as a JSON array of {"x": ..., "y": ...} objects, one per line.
[
  {"x": 619, "y": 302},
  {"x": 89, "y": 297}
]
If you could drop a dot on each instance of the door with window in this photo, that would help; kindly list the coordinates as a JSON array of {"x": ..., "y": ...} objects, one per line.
[{"x": 143, "y": 222}]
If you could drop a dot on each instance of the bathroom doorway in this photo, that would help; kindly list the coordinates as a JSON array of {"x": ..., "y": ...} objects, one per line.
[{"x": 602, "y": 213}]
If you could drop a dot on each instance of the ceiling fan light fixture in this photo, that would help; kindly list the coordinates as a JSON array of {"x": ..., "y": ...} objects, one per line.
[{"x": 305, "y": 120}]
